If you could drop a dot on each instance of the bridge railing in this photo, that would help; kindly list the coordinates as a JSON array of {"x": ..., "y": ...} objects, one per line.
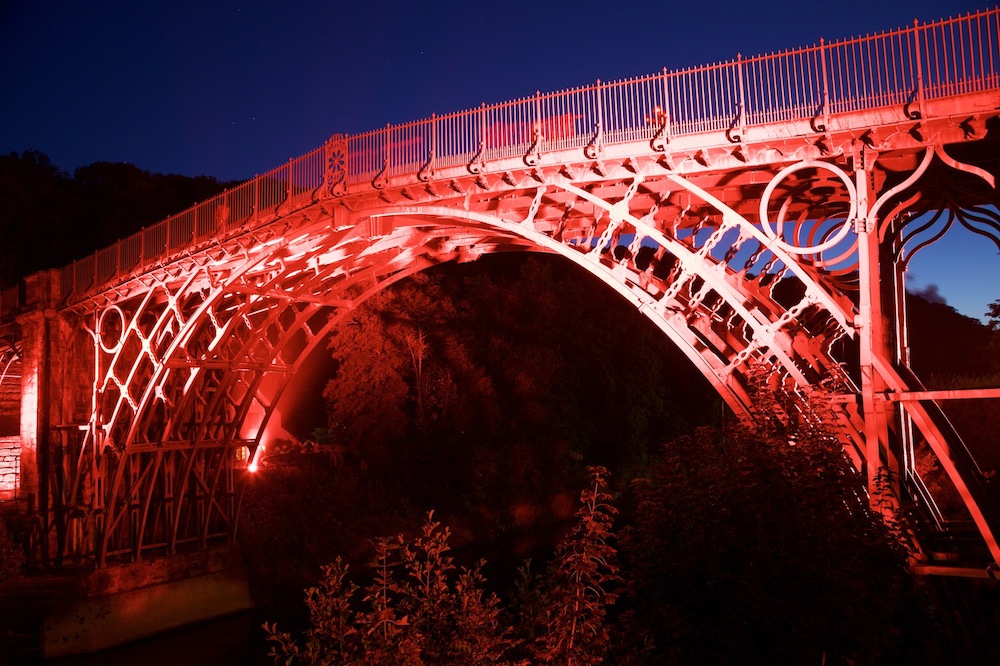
[
  {"x": 233, "y": 209},
  {"x": 903, "y": 67}
]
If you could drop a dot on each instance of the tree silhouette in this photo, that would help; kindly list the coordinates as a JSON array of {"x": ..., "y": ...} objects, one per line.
[
  {"x": 39, "y": 203},
  {"x": 50, "y": 218}
]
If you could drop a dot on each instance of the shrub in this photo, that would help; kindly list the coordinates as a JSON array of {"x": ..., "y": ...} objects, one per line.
[
  {"x": 11, "y": 555},
  {"x": 419, "y": 608}
]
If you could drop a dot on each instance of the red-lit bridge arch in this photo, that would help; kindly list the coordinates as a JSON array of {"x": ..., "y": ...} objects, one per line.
[{"x": 760, "y": 212}]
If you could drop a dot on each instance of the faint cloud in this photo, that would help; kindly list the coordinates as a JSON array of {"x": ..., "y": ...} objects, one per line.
[{"x": 930, "y": 294}]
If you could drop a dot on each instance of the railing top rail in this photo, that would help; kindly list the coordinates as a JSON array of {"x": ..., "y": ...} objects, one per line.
[{"x": 284, "y": 172}]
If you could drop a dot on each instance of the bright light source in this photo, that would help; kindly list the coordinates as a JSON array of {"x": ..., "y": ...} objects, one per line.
[{"x": 257, "y": 455}]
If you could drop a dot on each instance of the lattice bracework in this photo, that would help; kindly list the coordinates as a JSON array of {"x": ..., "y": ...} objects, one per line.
[{"x": 754, "y": 272}]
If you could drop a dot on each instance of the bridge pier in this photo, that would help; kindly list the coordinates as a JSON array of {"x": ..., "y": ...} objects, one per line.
[
  {"x": 34, "y": 413},
  {"x": 46, "y": 368}
]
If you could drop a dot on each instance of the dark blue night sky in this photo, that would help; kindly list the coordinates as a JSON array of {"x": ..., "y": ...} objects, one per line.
[{"x": 231, "y": 89}]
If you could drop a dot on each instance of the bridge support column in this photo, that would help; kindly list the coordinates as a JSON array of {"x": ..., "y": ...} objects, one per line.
[
  {"x": 873, "y": 327},
  {"x": 43, "y": 359}
]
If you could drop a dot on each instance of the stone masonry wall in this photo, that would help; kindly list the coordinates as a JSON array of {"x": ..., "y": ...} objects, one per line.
[{"x": 10, "y": 467}]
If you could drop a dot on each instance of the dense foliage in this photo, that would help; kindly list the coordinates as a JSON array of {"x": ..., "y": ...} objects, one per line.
[
  {"x": 473, "y": 389},
  {"x": 419, "y": 608},
  {"x": 993, "y": 315},
  {"x": 755, "y": 543},
  {"x": 11, "y": 555},
  {"x": 951, "y": 351},
  {"x": 748, "y": 546},
  {"x": 482, "y": 392}
]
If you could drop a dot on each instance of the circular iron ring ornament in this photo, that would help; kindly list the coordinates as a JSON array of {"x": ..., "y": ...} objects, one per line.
[
  {"x": 775, "y": 235},
  {"x": 110, "y": 333}
]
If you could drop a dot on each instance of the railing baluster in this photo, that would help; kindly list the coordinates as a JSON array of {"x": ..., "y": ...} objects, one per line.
[
  {"x": 992, "y": 50},
  {"x": 667, "y": 110},
  {"x": 742, "y": 97},
  {"x": 920, "y": 68},
  {"x": 433, "y": 150},
  {"x": 957, "y": 64},
  {"x": 869, "y": 54},
  {"x": 982, "y": 58},
  {"x": 482, "y": 131},
  {"x": 826, "y": 84}
]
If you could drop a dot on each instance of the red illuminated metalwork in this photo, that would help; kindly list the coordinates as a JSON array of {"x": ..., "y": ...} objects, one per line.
[{"x": 759, "y": 212}]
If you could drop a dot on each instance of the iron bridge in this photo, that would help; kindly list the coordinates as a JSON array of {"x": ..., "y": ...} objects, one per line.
[{"x": 761, "y": 212}]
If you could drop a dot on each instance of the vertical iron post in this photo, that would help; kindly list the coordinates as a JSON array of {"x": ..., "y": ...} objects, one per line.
[
  {"x": 920, "y": 68},
  {"x": 742, "y": 100},
  {"x": 871, "y": 325},
  {"x": 826, "y": 84}
]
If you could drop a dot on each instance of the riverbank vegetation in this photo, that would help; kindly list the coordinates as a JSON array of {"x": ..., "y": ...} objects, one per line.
[{"x": 484, "y": 394}]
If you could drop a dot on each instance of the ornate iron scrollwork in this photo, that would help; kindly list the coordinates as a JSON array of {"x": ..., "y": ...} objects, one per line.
[
  {"x": 427, "y": 170},
  {"x": 537, "y": 137},
  {"x": 731, "y": 133},
  {"x": 908, "y": 110},
  {"x": 661, "y": 119},
  {"x": 475, "y": 165},
  {"x": 593, "y": 148}
]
